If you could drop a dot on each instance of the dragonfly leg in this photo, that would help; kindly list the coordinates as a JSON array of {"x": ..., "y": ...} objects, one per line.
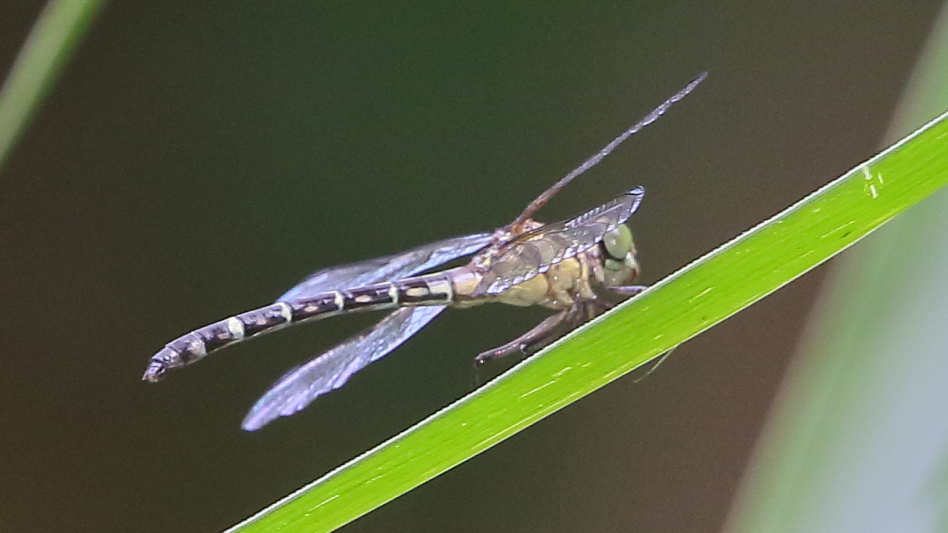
[
  {"x": 525, "y": 344},
  {"x": 627, "y": 290},
  {"x": 542, "y": 335}
]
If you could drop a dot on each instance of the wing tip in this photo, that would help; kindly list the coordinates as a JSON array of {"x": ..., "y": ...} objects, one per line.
[{"x": 256, "y": 419}]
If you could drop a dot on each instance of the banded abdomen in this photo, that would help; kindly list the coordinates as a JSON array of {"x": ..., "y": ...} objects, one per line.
[{"x": 429, "y": 289}]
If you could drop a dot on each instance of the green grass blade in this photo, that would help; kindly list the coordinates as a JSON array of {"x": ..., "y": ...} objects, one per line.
[
  {"x": 690, "y": 301},
  {"x": 857, "y": 438},
  {"x": 48, "y": 46}
]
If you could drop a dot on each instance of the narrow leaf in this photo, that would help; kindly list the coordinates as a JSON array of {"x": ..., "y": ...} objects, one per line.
[{"x": 48, "y": 46}]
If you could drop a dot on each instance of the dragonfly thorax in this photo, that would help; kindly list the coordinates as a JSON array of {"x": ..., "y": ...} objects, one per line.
[
  {"x": 500, "y": 238},
  {"x": 556, "y": 288}
]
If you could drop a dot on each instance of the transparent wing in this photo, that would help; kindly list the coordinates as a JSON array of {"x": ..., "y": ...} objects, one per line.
[
  {"x": 536, "y": 251},
  {"x": 388, "y": 267},
  {"x": 541, "y": 200},
  {"x": 332, "y": 369}
]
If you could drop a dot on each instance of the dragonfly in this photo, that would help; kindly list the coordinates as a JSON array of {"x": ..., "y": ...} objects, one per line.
[{"x": 577, "y": 267}]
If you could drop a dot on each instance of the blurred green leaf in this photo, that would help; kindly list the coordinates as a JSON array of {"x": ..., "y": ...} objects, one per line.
[
  {"x": 48, "y": 46},
  {"x": 690, "y": 301},
  {"x": 858, "y": 438}
]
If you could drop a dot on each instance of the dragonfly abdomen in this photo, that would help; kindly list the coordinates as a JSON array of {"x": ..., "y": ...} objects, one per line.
[
  {"x": 195, "y": 345},
  {"x": 430, "y": 289}
]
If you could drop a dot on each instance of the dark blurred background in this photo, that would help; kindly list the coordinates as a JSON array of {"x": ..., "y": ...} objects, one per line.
[{"x": 194, "y": 161}]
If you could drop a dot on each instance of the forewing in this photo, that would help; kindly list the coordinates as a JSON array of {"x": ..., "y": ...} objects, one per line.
[
  {"x": 535, "y": 252},
  {"x": 330, "y": 370},
  {"x": 386, "y": 268}
]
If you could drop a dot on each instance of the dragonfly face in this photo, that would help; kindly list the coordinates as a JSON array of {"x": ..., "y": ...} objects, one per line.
[
  {"x": 619, "y": 265},
  {"x": 563, "y": 266}
]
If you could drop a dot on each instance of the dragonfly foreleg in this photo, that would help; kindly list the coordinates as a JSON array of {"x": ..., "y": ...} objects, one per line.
[{"x": 627, "y": 290}]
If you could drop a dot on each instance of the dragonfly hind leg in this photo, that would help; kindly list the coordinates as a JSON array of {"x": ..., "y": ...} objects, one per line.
[{"x": 541, "y": 335}]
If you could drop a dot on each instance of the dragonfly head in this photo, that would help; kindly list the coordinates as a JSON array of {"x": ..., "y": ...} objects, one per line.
[{"x": 619, "y": 263}]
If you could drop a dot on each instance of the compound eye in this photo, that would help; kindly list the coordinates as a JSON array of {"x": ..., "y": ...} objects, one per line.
[{"x": 618, "y": 242}]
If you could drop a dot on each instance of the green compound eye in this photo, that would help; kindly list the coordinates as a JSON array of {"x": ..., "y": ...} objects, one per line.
[{"x": 618, "y": 242}]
